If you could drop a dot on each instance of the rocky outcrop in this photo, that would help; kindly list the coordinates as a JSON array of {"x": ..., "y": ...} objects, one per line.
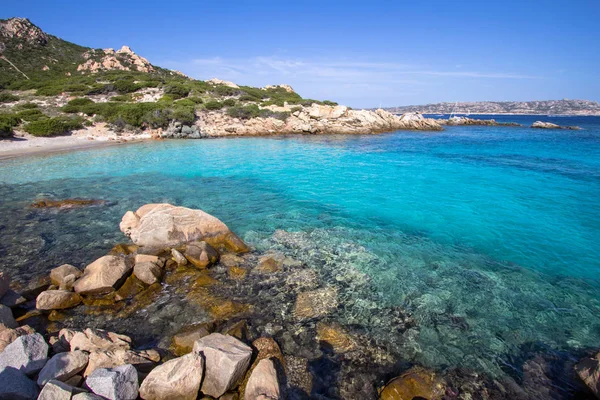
[
  {"x": 459, "y": 121},
  {"x": 177, "y": 130},
  {"x": 178, "y": 378},
  {"x": 316, "y": 119},
  {"x": 123, "y": 59},
  {"x": 549, "y": 125},
  {"x": 200, "y": 254},
  {"x": 27, "y": 353},
  {"x": 120, "y": 383},
  {"x": 287, "y": 88},
  {"x": 165, "y": 225},
  {"x": 226, "y": 361},
  {"x": 67, "y": 203},
  {"x": 217, "y": 81},
  {"x": 22, "y": 28},
  {"x": 104, "y": 275}
]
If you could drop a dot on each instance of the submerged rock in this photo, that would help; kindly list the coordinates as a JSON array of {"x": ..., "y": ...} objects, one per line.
[
  {"x": 316, "y": 303},
  {"x": 57, "y": 300},
  {"x": 67, "y": 203},
  {"x": 165, "y": 225},
  {"x": 414, "y": 383},
  {"x": 103, "y": 275},
  {"x": 226, "y": 361},
  {"x": 63, "y": 366},
  {"x": 588, "y": 370},
  {"x": 335, "y": 336},
  {"x": 27, "y": 353},
  {"x": 178, "y": 378},
  {"x": 120, "y": 383}
]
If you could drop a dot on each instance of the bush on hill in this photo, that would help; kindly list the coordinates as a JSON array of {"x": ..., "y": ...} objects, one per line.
[
  {"x": 53, "y": 126},
  {"x": 33, "y": 114},
  {"x": 6, "y": 97},
  {"x": 229, "y": 102},
  {"x": 213, "y": 105},
  {"x": 177, "y": 91},
  {"x": 7, "y": 123}
]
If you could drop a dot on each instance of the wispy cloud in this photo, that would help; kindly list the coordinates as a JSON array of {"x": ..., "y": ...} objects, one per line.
[{"x": 333, "y": 78}]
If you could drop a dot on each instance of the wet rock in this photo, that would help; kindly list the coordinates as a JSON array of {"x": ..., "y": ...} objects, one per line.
[
  {"x": 263, "y": 383},
  {"x": 58, "y": 274},
  {"x": 123, "y": 249},
  {"x": 183, "y": 341},
  {"x": 63, "y": 366},
  {"x": 56, "y": 390},
  {"x": 6, "y": 318},
  {"x": 588, "y": 370},
  {"x": 103, "y": 275},
  {"x": 148, "y": 269},
  {"x": 226, "y": 360},
  {"x": 178, "y": 378},
  {"x": 299, "y": 378},
  {"x": 316, "y": 303},
  {"x": 27, "y": 353},
  {"x": 120, "y": 383},
  {"x": 130, "y": 288},
  {"x": 201, "y": 254},
  {"x": 414, "y": 383},
  {"x": 142, "y": 360},
  {"x": 4, "y": 283},
  {"x": 57, "y": 300},
  {"x": 335, "y": 336},
  {"x": 92, "y": 340},
  {"x": 66, "y": 203},
  {"x": 237, "y": 273},
  {"x": 231, "y": 260},
  {"x": 156, "y": 225},
  {"x": 238, "y": 330},
  {"x": 178, "y": 257},
  {"x": 14, "y": 384}
]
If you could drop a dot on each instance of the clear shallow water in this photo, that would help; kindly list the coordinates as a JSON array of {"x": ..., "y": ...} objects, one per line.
[{"x": 489, "y": 237}]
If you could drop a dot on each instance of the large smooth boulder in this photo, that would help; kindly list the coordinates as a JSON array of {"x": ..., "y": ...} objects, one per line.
[
  {"x": 27, "y": 353},
  {"x": 263, "y": 382},
  {"x": 63, "y": 366},
  {"x": 165, "y": 225},
  {"x": 14, "y": 384},
  {"x": 414, "y": 383},
  {"x": 57, "y": 300},
  {"x": 56, "y": 390},
  {"x": 201, "y": 254},
  {"x": 92, "y": 340},
  {"x": 142, "y": 360},
  {"x": 103, "y": 275},
  {"x": 226, "y": 361},
  {"x": 120, "y": 383},
  {"x": 58, "y": 274},
  {"x": 148, "y": 269},
  {"x": 178, "y": 378},
  {"x": 6, "y": 318}
]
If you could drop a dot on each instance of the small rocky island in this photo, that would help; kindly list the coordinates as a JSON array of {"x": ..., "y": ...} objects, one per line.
[
  {"x": 51, "y": 347},
  {"x": 549, "y": 125}
]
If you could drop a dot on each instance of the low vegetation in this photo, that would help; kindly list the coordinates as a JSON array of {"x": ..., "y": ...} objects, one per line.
[{"x": 53, "y": 126}]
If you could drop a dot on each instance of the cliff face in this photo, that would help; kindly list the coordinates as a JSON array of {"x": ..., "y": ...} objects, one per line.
[{"x": 552, "y": 107}]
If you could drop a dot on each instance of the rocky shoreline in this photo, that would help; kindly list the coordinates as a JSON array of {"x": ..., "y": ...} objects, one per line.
[{"x": 267, "y": 327}]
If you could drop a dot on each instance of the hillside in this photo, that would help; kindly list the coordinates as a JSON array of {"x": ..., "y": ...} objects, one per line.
[{"x": 545, "y": 107}]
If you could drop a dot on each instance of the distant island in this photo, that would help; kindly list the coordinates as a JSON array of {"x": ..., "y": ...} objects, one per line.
[{"x": 542, "y": 107}]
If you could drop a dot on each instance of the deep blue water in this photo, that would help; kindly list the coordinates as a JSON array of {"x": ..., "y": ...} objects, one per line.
[{"x": 499, "y": 226}]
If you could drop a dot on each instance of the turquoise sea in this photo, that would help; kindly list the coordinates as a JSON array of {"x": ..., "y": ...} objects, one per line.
[{"x": 488, "y": 236}]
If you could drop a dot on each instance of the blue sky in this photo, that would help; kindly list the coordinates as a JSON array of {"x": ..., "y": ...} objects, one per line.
[{"x": 355, "y": 52}]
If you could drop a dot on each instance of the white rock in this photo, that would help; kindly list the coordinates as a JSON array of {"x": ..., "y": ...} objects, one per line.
[
  {"x": 6, "y": 318},
  {"x": 58, "y": 274},
  {"x": 263, "y": 383},
  {"x": 27, "y": 353},
  {"x": 120, "y": 383},
  {"x": 178, "y": 257},
  {"x": 226, "y": 361},
  {"x": 103, "y": 275},
  {"x": 62, "y": 366},
  {"x": 178, "y": 378},
  {"x": 142, "y": 360},
  {"x": 56, "y": 390},
  {"x": 96, "y": 340},
  {"x": 14, "y": 384}
]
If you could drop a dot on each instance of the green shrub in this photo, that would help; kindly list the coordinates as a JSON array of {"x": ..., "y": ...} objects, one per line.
[
  {"x": 244, "y": 112},
  {"x": 158, "y": 118},
  {"x": 125, "y": 86},
  {"x": 33, "y": 114},
  {"x": 329, "y": 103},
  {"x": 213, "y": 105},
  {"x": 53, "y": 126},
  {"x": 185, "y": 103},
  {"x": 7, "y": 123},
  {"x": 177, "y": 91},
  {"x": 6, "y": 97},
  {"x": 49, "y": 91},
  {"x": 121, "y": 97},
  {"x": 80, "y": 101},
  {"x": 26, "y": 106},
  {"x": 223, "y": 90},
  {"x": 229, "y": 102},
  {"x": 196, "y": 100},
  {"x": 168, "y": 99},
  {"x": 246, "y": 97},
  {"x": 185, "y": 115}
]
